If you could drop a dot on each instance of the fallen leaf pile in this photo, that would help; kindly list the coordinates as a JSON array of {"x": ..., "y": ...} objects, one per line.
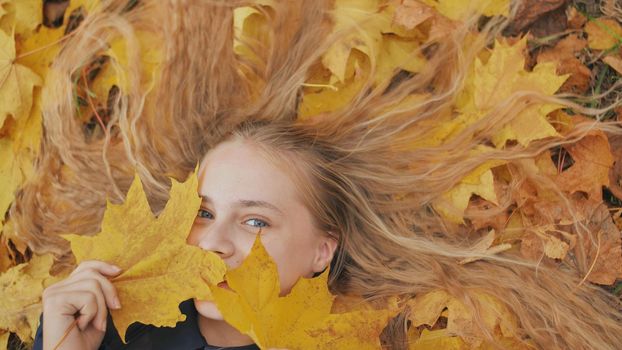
[{"x": 540, "y": 207}]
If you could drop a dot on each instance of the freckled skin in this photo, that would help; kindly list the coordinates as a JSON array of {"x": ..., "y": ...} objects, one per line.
[{"x": 234, "y": 171}]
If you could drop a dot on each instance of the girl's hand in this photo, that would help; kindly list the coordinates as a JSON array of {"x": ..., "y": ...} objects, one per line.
[{"x": 83, "y": 297}]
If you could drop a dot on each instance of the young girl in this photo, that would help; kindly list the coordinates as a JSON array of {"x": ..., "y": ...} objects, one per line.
[
  {"x": 345, "y": 187},
  {"x": 246, "y": 187}
]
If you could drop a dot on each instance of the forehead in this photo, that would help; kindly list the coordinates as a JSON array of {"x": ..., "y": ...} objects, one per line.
[{"x": 237, "y": 169}]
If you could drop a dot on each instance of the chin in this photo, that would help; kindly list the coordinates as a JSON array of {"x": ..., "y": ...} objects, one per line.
[{"x": 208, "y": 309}]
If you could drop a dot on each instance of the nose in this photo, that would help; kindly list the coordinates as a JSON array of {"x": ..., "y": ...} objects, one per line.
[{"x": 213, "y": 237}]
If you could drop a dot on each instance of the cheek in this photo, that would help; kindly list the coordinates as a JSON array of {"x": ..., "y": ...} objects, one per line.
[
  {"x": 208, "y": 309},
  {"x": 293, "y": 262}
]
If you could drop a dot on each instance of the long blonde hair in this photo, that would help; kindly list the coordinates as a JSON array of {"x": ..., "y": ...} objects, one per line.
[{"x": 360, "y": 177}]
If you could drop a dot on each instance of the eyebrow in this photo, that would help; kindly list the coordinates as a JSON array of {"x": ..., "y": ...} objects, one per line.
[{"x": 247, "y": 203}]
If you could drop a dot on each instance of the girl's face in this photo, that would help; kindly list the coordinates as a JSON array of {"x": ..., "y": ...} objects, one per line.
[{"x": 243, "y": 192}]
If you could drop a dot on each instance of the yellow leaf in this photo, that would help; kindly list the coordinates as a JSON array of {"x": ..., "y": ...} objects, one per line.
[
  {"x": 436, "y": 340},
  {"x": 603, "y": 33},
  {"x": 159, "y": 268},
  {"x": 39, "y": 49},
  {"x": 250, "y": 26},
  {"x": 299, "y": 320},
  {"x": 493, "y": 83},
  {"x": 28, "y": 15},
  {"x": 149, "y": 56},
  {"x": 9, "y": 177},
  {"x": 396, "y": 53},
  {"x": 21, "y": 288},
  {"x": 16, "y": 82},
  {"x": 480, "y": 181},
  {"x": 456, "y": 200},
  {"x": 4, "y": 340},
  {"x": 334, "y": 97},
  {"x": 461, "y": 320},
  {"x": 461, "y": 10},
  {"x": 362, "y": 24}
]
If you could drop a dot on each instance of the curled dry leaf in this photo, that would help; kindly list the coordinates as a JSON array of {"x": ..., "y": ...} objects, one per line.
[{"x": 484, "y": 248}]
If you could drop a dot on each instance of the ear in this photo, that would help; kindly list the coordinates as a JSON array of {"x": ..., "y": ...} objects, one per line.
[{"x": 324, "y": 252}]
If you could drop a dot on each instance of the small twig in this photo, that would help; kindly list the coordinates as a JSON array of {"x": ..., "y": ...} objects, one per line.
[
  {"x": 69, "y": 329},
  {"x": 88, "y": 98}
]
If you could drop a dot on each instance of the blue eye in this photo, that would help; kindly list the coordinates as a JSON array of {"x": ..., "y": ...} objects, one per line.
[
  {"x": 202, "y": 213},
  {"x": 260, "y": 223}
]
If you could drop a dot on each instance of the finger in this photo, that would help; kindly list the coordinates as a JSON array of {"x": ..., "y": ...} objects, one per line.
[
  {"x": 98, "y": 303},
  {"x": 100, "y": 266},
  {"x": 83, "y": 302},
  {"x": 110, "y": 293}
]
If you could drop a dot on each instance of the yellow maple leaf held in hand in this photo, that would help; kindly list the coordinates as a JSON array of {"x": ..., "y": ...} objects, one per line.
[
  {"x": 160, "y": 270},
  {"x": 300, "y": 320}
]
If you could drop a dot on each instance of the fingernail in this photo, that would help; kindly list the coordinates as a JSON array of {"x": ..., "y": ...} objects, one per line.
[
  {"x": 103, "y": 326},
  {"x": 116, "y": 268},
  {"x": 116, "y": 303}
]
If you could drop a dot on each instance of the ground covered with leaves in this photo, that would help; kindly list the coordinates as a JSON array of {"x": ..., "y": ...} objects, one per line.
[{"x": 550, "y": 47}]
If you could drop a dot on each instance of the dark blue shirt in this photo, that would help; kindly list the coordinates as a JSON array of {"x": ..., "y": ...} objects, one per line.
[{"x": 184, "y": 336}]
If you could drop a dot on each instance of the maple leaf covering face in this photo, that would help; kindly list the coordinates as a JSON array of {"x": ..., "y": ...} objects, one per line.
[
  {"x": 300, "y": 320},
  {"x": 160, "y": 270}
]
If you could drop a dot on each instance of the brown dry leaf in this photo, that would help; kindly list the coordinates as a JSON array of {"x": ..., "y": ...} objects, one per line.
[
  {"x": 21, "y": 287},
  {"x": 485, "y": 214},
  {"x": 603, "y": 248},
  {"x": 576, "y": 20},
  {"x": 159, "y": 268},
  {"x": 530, "y": 10},
  {"x": 615, "y": 174},
  {"x": 614, "y": 62},
  {"x": 564, "y": 55},
  {"x": 299, "y": 320},
  {"x": 544, "y": 240},
  {"x": 603, "y": 33},
  {"x": 483, "y": 248},
  {"x": 590, "y": 172}
]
